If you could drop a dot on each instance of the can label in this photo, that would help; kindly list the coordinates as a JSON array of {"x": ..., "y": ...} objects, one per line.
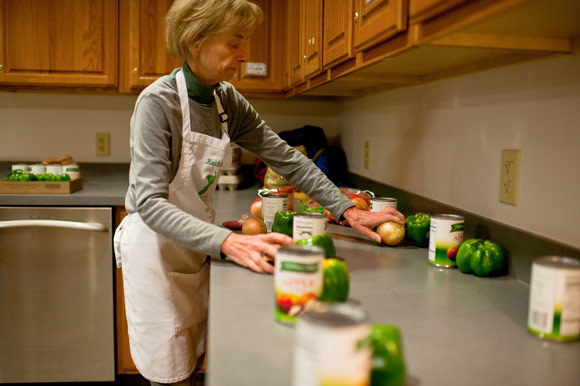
[
  {"x": 381, "y": 203},
  {"x": 554, "y": 308},
  {"x": 272, "y": 203},
  {"x": 73, "y": 171},
  {"x": 305, "y": 225},
  {"x": 298, "y": 281},
  {"x": 328, "y": 355},
  {"x": 445, "y": 237}
]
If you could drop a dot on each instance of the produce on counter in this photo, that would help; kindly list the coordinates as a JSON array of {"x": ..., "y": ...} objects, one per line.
[
  {"x": 322, "y": 240},
  {"x": 482, "y": 257},
  {"x": 256, "y": 208},
  {"x": 418, "y": 226},
  {"x": 388, "y": 364},
  {"x": 21, "y": 175},
  {"x": 253, "y": 226},
  {"x": 391, "y": 232},
  {"x": 336, "y": 281},
  {"x": 283, "y": 222}
]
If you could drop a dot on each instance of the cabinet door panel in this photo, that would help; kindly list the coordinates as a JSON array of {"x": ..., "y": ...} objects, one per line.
[
  {"x": 313, "y": 37},
  {"x": 337, "y": 31},
  {"x": 420, "y": 10},
  {"x": 294, "y": 42},
  {"x": 376, "y": 20},
  {"x": 148, "y": 55},
  {"x": 59, "y": 42}
]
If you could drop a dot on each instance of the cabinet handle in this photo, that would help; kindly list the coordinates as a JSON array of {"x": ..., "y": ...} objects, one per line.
[
  {"x": 85, "y": 226},
  {"x": 1, "y": 67},
  {"x": 305, "y": 58},
  {"x": 356, "y": 17},
  {"x": 135, "y": 71}
]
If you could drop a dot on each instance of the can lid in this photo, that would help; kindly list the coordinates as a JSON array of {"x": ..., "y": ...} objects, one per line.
[
  {"x": 313, "y": 214},
  {"x": 275, "y": 195},
  {"x": 559, "y": 262},
  {"x": 453, "y": 217},
  {"x": 301, "y": 250},
  {"x": 335, "y": 315},
  {"x": 387, "y": 199}
]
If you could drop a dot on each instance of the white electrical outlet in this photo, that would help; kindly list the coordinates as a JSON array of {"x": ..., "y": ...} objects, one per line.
[
  {"x": 509, "y": 187},
  {"x": 103, "y": 144}
]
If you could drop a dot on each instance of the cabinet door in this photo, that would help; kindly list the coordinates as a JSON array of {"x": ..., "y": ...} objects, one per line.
[
  {"x": 263, "y": 71},
  {"x": 312, "y": 37},
  {"x": 58, "y": 42},
  {"x": 143, "y": 51},
  {"x": 337, "y": 34},
  {"x": 420, "y": 10},
  {"x": 376, "y": 20},
  {"x": 294, "y": 42}
]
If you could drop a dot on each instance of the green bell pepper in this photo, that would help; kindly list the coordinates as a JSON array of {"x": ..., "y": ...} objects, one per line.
[
  {"x": 323, "y": 241},
  {"x": 336, "y": 281},
  {"x": 418, "y": 226},
  {"x": 482, "y": 257},
  {"x": 388, "y": 365},
  {"x": 283, "y": 221},
  {"x": 19, "y": 175}
]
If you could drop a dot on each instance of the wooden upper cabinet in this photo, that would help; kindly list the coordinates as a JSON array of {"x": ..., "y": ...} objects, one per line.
[
  {"x": 59, "y": 43},
  {"x": 144, "y": 55},
  {"x": 377, "y": 20},
  {"x": 294, "y": 34},
  {"x": 312, "y": 36},
  {"x": 337, "y": 43},
  {"x": 263, "y": 70},
  {"x": 420, "y": 10}
]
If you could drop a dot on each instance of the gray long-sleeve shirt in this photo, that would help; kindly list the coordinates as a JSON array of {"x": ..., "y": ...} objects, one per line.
[{"x": 156, "y": 150}]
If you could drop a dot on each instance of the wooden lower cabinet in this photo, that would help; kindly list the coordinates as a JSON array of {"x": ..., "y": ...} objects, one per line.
[{"x": 125, "y": 364}]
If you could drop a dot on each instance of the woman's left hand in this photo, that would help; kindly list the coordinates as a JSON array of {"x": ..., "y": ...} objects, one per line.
[{"x": 363, "y": 221}]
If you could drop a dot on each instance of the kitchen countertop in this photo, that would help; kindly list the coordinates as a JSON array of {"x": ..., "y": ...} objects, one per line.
[
  {"x": 457, "y": 329},
  {"x": 103, "y": 185}
]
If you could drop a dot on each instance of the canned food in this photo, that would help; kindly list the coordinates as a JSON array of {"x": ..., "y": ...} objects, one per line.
[
  {"x": 272, "y": 203},
  {"x": 55, "y": 169},
  {"x": 381, "y": 203},
  {"x": 38, "y": 169},
  {"x": 298, "y": 280},
  {"x": 445, "y": 237},
  {"x": 23, "y": 167},
  {"x": 73, "y": 170},
  {"x": 554, "y": 308},
  {"x": 331, "y": 347},
  {"x": 306, "y": 225}
]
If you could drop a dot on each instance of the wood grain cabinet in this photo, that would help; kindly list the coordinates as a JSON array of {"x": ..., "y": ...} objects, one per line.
[
  {"x": 143, "y": 52},
  {"x": 420, "y": 10},
  {"x": 337, "y": 31},
  {"x": 64, "y": 43},
  {"x": 377, "y": 20},
  {"x": 312, "y": 36},
  {"x": 294, "y": 66}
]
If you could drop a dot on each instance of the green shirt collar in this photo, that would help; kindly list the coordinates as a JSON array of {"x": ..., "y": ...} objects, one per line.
[{"x": 200, "y": 93}]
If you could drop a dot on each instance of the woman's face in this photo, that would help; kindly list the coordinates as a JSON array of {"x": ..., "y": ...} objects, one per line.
[{"x": 218, "y": 57}]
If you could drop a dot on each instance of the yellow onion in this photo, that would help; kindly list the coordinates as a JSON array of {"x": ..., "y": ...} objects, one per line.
[{"x": 392, "y": 233}]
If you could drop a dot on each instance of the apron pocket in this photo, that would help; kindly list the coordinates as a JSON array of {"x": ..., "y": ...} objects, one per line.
[{"x": 189, "y": 298}]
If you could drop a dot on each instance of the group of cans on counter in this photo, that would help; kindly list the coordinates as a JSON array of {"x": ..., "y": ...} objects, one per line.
[{"x": 73, "y": 170}]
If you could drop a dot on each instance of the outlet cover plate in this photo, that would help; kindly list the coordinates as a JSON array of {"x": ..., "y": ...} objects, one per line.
[{"x": 509, "y": 187}]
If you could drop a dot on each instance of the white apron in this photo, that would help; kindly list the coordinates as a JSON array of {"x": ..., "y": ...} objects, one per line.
[{"x": 166, "y": 285}]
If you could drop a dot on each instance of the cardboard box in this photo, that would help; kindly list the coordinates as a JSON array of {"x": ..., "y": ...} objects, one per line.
[{"x": 40, "y": 187}]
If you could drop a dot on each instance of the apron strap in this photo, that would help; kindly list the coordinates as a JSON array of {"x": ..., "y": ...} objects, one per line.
[
  {"x": 184, "y": 101},
  {"x": 223, "y": 115}
]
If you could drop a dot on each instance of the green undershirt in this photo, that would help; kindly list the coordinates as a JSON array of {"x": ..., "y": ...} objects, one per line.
[{"x": 200, "y": 93}]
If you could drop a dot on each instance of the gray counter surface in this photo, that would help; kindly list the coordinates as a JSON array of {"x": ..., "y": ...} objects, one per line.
[
  {"x": 457, "y": 329},
  {"x": 103, "y": 185}
]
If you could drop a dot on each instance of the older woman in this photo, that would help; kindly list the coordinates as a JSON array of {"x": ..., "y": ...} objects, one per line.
[{"x": 180, "y": 135}]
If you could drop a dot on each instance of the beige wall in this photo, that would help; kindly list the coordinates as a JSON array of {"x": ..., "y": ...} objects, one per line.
[{"x": 444, "y": 141}]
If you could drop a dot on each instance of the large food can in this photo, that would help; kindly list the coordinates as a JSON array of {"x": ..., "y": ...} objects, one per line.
[
  {"x": 308, "y": 224},
  {"x": 298, "y": 280},
  {"x": 73, "y": 170},
  {"x": 272, "y": 203},
  {"x": 38, "y": 169},
  {"x": 381, "y": 203},
  {"x": 331, "y": 347},
  {"x": 445, "y": 237},
  {"x": 55, "y": 169},
  {"x": 554, "y": 309}
]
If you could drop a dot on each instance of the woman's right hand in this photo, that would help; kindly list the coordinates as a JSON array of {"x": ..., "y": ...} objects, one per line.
[{"x": 246, "y": 250}]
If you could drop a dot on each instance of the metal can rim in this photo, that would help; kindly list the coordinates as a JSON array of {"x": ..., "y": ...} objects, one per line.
[
  {"x": 566, "y": 262},
  {"x": 301, "y": 250},
  {"x": 308, "y": 214},
  {"x": 335, "y": 315},
  {"x": 275, "y": 195},
  {"x": 387, "y": 199},
  {"x": 448, "y": 217}
]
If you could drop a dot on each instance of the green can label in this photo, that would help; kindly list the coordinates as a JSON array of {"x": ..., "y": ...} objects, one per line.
[{"x": 445, "y": 237}]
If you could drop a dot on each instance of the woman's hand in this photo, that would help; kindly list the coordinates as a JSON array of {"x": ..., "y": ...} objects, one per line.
[
  {"x": 247, "y": 250},
  {"x": 363, "y": 221}
]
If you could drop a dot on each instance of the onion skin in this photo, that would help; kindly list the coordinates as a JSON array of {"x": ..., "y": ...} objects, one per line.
[
  {"x": 360, "y": 203},
  {"x": 256, "y": 208},
  {"x": 391, "y": 233},
  {"x": 253, "y": 226}
]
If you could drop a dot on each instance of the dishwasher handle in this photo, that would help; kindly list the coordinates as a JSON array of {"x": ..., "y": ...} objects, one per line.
[{"x": 85, "y": 226}]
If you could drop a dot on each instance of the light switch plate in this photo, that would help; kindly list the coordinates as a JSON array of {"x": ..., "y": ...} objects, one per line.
[{"x": 509, "y": 187}]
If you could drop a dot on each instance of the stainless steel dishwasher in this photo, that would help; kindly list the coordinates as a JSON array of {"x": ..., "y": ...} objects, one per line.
[{"x": 56, "y": 295}]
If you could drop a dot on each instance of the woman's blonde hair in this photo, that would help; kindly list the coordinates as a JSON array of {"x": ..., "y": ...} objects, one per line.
[{"x": 188, "y": 21}]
